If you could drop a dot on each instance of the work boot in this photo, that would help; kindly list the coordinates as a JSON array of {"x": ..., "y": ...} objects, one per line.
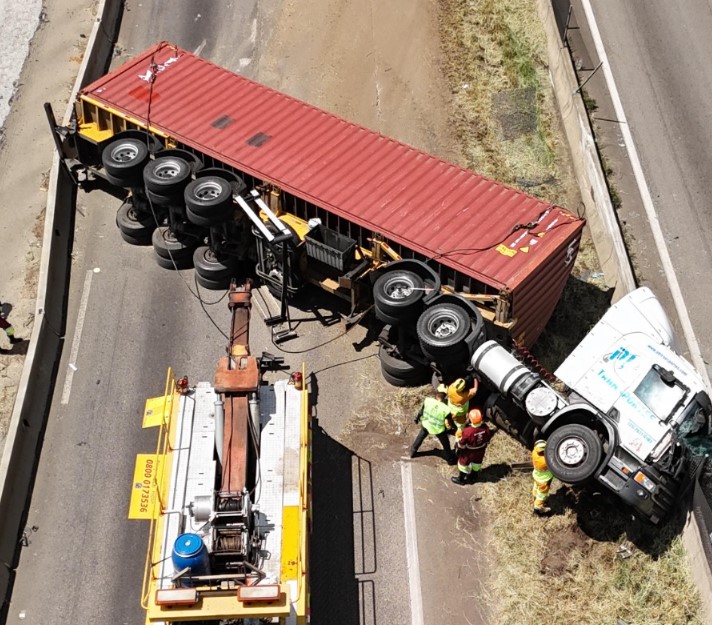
[
  {"x": 473, "y": 477},
  {"x": 459, "y": 479},
  {"x": 452, "y": 460},
  {"x": 412, "y": 452},
  {"x": 14, "y": 340},
  {"x": 542, "y": 510}
]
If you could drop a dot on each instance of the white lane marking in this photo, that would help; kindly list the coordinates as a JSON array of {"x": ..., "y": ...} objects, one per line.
[
  {"x": 692, "y": 344},
  {"x": 77, "y": 338},
  {"x": 411, "y": 546}
]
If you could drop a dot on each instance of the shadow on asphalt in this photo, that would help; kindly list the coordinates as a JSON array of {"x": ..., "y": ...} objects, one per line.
[{"x": 335, "y": 591}]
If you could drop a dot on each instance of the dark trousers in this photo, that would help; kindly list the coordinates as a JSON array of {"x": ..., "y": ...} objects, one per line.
[{"x": 442, "y": 437}]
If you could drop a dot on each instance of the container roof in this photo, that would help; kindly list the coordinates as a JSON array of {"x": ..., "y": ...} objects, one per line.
[{"x": 482, "y": 228}]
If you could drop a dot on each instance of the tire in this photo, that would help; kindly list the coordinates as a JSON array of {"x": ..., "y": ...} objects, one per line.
[
  {"x": 124, "y": 161},
  {"x": 135, "y": 229},
  {"x": 213, "y": 219},
  {"x": 208, "y": 195},
  {"x": 573, "y": 453},
  {"x": 209, "y": 266},
  {"x": 398, "y": 295},
  {"x": 167, "y": 176},
  {"x": 168, "y": 246},
  {"x": 442, "y": 330},
  {"x": 164, "y": 201},
  {"x": 399, "y": 382},
  {"x": 221, "y": 284},
  {"x": 178, "y": 262},
  {"x": 405, "y": 370}
]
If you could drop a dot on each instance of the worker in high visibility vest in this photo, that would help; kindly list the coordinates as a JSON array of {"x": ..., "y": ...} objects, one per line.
[
  {"x": 458, "y": 401},
  {"x": 433, "y": 417},
  {"x": 7, "y": 326},
  {"x": 542, "y": 478},
  {"x": 471, "y": 446}
]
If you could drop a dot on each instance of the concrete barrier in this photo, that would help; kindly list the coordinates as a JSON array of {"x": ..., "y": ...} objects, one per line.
[
  {"x": 34, "y": 394},
  {"x": 600, "y": 214},
  {"x": 611, "y": 252}
]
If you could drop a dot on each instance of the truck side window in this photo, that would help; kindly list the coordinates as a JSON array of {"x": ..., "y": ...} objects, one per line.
[{"x": 659, "y": 394}]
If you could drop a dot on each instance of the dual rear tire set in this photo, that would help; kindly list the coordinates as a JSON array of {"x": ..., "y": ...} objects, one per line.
[
  {"x": 442, "y": 332},
  {"x": 163, "y": 191}
]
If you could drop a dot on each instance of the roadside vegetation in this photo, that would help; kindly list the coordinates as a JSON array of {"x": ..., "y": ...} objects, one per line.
[{"x": 587, "y": 563}]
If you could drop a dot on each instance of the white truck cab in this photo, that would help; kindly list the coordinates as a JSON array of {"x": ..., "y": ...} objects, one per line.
[{"x": 630, "y": 402}]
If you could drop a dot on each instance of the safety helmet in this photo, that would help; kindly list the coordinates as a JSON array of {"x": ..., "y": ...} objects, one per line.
[
  {"x": 458, "y": 392},
  {"x": 442, "y": 389},
  {"x": 475, "y": 416},
  {"x": 539, "y": 446}
]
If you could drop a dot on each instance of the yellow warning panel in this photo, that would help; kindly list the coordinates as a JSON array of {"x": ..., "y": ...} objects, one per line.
[
  {"x": 505, "y": 251},
  {"x": 144, "y": 501},
  {"x": 157, "y": 410},
  {"x": 290, "y": 542}
]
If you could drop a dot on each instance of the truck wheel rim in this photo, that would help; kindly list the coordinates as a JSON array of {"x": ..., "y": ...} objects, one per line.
[
  {"x": 443, "y": 327},
  {"x": 572, "y": 451},
  {"x": 399, "y": 288},
  {"x": 208, "y": 190},
  {"x": 124, "y": 153},
  {"x": 167, "y": 170}
]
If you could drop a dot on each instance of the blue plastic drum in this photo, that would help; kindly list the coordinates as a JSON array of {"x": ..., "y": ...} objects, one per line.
[{"x": 189, "y": 550}]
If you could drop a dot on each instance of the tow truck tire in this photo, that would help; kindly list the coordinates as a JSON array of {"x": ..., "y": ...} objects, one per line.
[
  {"x": 135, "y": 229},
  {"x": 442, "y": 330},
  {"x": 168, "y": 246},
  {"x": 414, "y": 373},
  {"x": 124, "y": 160},
  {"x": 167, "y": 176},
  {"x": 573, "y": 453},
  {"x": 212, "y": 219},
  {"x": 398, "y": 295},
  {"x": 211, "y": 267},
  {"x": 207, "y": 196}
]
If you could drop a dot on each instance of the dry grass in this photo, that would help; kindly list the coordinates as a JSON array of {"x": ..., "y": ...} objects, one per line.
[{"x": 587, "y": 563}]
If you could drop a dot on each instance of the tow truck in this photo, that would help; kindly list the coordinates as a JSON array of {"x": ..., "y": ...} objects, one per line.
[{"x": 227, "y": 491}]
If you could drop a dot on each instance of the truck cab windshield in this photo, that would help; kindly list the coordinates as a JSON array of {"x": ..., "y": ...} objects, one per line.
[{"x": 661, "y": 392}]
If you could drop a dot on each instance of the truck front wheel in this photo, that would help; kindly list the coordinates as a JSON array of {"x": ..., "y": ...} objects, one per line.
[{"x": 573, "y": 453}]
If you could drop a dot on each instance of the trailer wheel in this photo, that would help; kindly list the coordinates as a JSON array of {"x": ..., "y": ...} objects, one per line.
[
  {"x": 397, "y": 296},
  {"x": 207, "y": 196},
  {"x": 167, "y": 176},
  {"x": 573, "y": 453},
  {"x": 400, "y": 382},
  {"x": 209, "y": 266},
  {"x": 178, "y": 262},
  {"x": 124, "y": 160},
  {"x": 135, "y": 228},
  {"x": 218, "y": 284},
  {"x": 406, "y": 370},
  {"x": 218, "y": 216},
  {"x": 442, "y": 330},
  {"x": 172, "y": 248}
]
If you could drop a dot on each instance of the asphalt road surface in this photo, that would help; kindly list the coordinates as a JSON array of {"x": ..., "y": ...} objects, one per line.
[
  {"x": 130, "y": 320},
  {"x": 659, "y": 53}
]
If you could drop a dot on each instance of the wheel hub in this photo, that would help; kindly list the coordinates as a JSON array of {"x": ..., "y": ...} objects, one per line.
[
  {"x": 444, "y": 327},
  {"x": 167, "y": 171},
  {"x": 399, "y": 289},
  {"x": 572, "y": 451},
  {"x": 124, "y": 153},
  {"x": 207, "y": 191}
]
